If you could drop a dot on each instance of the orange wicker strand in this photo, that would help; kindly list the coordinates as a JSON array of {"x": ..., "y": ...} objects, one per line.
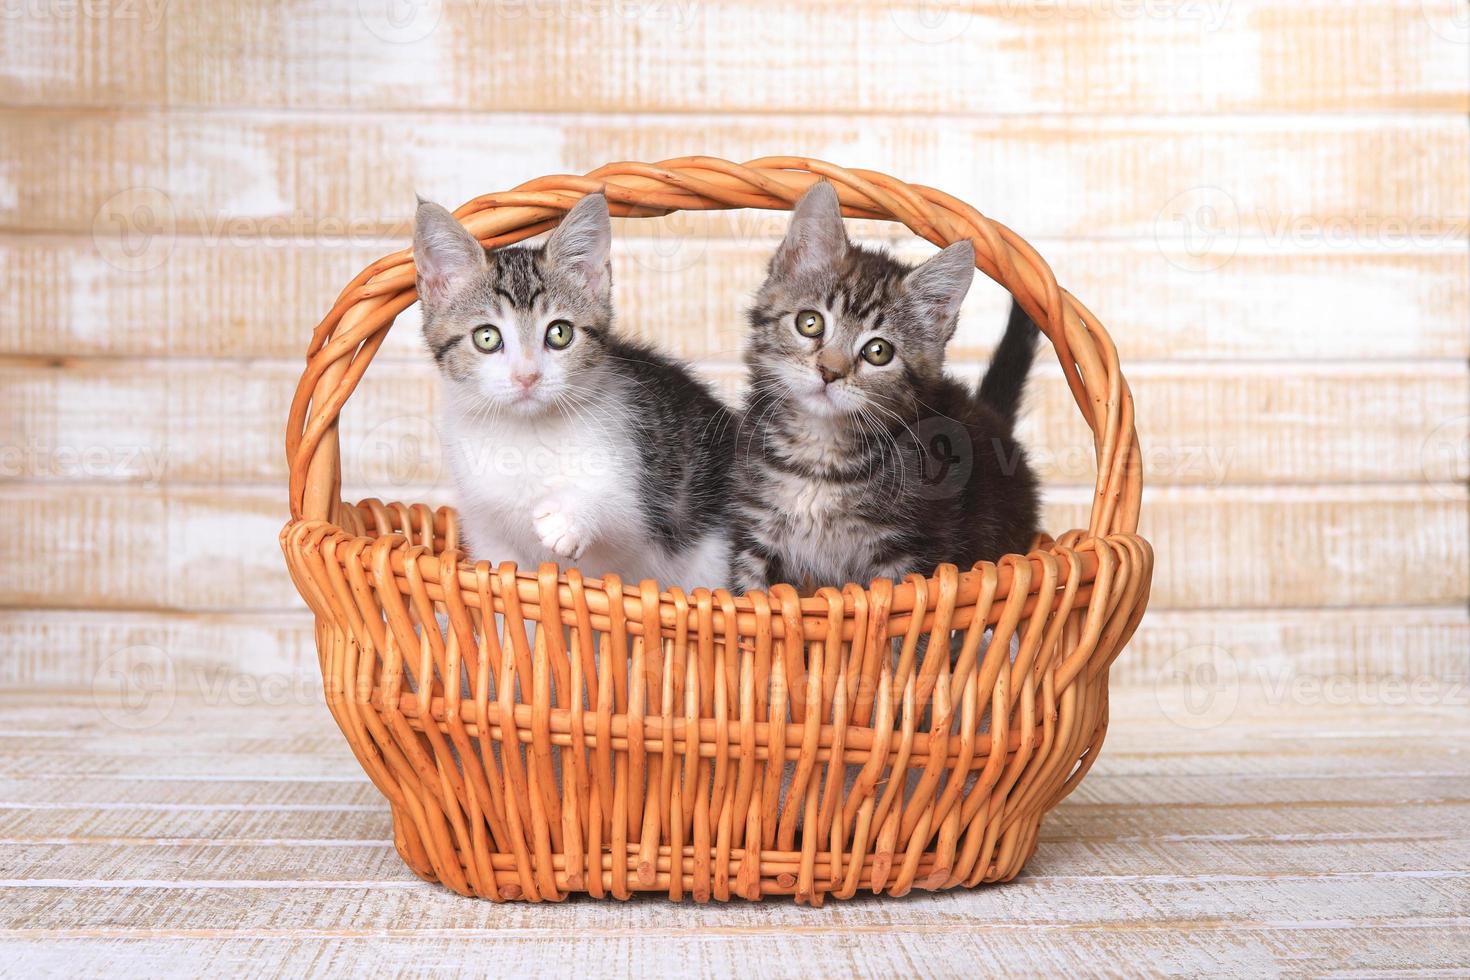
[{"x": 537, "y": 733}]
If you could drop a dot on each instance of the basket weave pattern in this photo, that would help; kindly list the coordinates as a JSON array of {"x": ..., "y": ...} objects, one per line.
[{"x": 538, "y": 734}]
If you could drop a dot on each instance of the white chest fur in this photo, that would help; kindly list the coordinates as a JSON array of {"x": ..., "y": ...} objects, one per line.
[{"x": 511, "y": 471}]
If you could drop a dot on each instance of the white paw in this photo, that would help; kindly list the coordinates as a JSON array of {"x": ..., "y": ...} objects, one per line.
[{"x": 558, "y": 533}]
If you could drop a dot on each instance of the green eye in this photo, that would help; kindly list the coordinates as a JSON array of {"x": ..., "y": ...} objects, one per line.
[
  {"x": 809, "y": 323},
  {"x": 878, "y": 352},
  {"x": 487, "y": 339},
  {"x": 558, "y": 335}
]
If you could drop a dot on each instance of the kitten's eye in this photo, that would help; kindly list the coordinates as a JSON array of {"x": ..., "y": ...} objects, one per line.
[
  {"x": 558, "y": 335},
  {"x": 809, "y": 323},
  {"x": 878, "y": 352},
  {"x": 487, "y": 339}
]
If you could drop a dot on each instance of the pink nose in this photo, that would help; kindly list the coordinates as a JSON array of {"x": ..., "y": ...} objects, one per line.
[{"x": 526, "y": 379}]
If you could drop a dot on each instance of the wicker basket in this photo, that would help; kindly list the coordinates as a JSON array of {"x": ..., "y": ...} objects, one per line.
[{"x": 702, "y": 744}]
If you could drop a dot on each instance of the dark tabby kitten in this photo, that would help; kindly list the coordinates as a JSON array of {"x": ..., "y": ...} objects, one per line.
[
  {"x": 568, "y": 442},
  {"x": 858, "y": 458}
]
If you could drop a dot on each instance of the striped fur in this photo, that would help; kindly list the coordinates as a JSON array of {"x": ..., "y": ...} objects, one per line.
[
  {"x": 847, "y": 470},
  {"x": 602, "y": 453}
]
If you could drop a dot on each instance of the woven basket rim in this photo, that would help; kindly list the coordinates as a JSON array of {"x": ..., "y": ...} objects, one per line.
[{"x": 899, "y": 597}]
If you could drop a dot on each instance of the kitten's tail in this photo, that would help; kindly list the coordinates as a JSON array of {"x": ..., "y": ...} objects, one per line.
[{"x": 1005, "y": 379}]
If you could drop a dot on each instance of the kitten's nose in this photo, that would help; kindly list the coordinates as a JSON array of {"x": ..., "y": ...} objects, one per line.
[
  {"x": 526, "y": 379},
  {"x": 831, "y": 365}
]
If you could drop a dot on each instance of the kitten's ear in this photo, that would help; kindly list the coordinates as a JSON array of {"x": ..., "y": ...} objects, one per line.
[
  {"x": 816, "y": 238},
  {"x": 938, "y": 287},
  {"x": 581, "y": 244},
  {"x": 444, "y": 254}
]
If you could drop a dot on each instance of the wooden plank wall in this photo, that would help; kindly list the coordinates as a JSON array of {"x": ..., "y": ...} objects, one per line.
[{"x": 1265, "y": 200}]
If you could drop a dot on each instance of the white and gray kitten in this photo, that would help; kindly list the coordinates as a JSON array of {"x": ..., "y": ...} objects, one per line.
[
  {"x": 858, "y": 457},
  {"x": 567, "y": 442}
]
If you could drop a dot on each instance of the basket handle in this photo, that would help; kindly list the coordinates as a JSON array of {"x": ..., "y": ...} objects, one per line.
[{"x": 345, "y": 341}]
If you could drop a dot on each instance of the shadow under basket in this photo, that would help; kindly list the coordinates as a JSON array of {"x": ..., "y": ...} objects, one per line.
[{"x": 540, "y": 734}]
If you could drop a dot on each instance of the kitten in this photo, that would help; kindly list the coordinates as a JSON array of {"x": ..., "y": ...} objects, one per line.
[
  {"x": 858, "y": 458},
  {"x": 568, "y": 443}
]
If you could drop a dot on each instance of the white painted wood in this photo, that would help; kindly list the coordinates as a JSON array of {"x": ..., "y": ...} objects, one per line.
[
  {"x": 1264, "y": 201},
  {"x": 1202, "y": 181},
  {"x": 1263, "y": 729},
  {"x": 1287, "y": 298},
  {"x": 1234, "y": 858},
  {"x": 207, "y": 548},
  {"x": 955, "y": 944},
  {"x": 108, "y": 863},
  {"x": 750, "y": 56},
  {"x": 170, "y": 421},
  {"x": 41, "y": 648},
  {"x": 1380, "y": 823}
]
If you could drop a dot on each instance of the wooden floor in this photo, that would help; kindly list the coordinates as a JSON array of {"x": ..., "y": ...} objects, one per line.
[{"x": 230, "y": 830}]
